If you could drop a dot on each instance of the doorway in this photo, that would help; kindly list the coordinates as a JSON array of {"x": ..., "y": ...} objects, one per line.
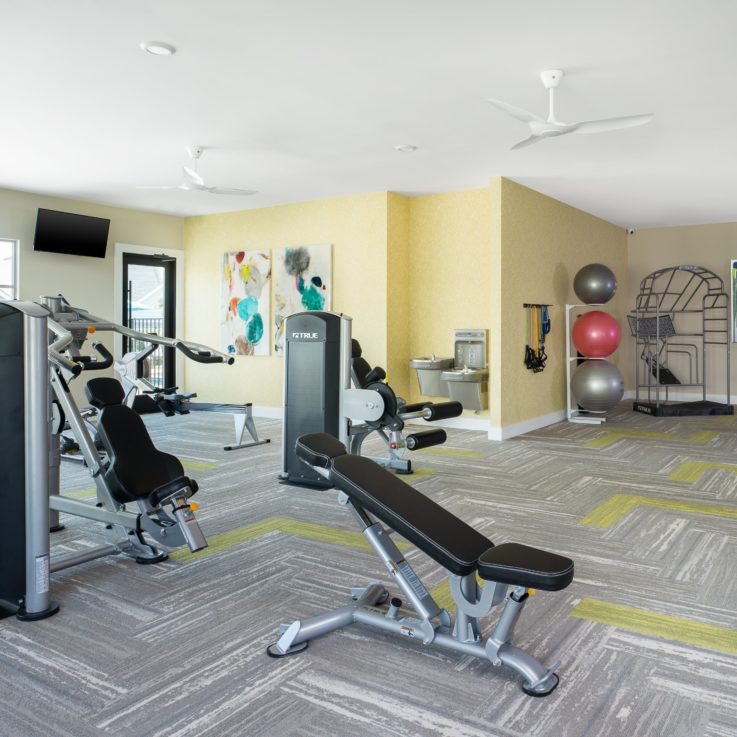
[{"x": 149, "y": 306}]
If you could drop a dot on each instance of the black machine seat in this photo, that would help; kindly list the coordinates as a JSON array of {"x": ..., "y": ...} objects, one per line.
[
  {"x": 521, "y": 565},
  {"x": 104, "y": 391},
  {"x": 319, "y": 448},
  {"x": 137, "y": 469},
  {"x": 436, "y": 531}
]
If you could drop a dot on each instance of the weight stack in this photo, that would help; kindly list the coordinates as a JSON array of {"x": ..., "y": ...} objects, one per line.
[{"x": 313, "y": 384}]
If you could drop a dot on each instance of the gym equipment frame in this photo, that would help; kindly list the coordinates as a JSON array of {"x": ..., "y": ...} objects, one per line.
[
  {"x": 369, "y": 492},
  {"x": 681, "y": 318},
  {"x": 169, "y": 528},
  {"x": 318, "y": 366},
  {"x": 171, "y": 401}
]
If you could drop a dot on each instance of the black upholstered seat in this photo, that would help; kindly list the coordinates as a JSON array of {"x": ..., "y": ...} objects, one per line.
[
  {"x": 521, "y": 565},
  {"x": 104, "y": 391},
  {"x": 137, "y": 469},
  {"x": 433, "y": 529}
]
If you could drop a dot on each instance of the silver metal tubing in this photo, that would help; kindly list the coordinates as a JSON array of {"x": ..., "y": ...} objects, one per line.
[
  {"x": 36, "y": 408},
  {"x": 59, "y": 564},
  {"x": 304, "y": 630},
  {"x": 78, "y": 508},
  {"x": 414, "y": 590},
  {"x": 466, "y": 626},
  {"x": 346, "y": 353}
]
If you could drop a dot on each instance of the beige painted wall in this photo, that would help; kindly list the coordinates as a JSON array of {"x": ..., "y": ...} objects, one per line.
[
  {"x": 399, "y": 291},
  {"x": 85, "y": 282},
  {"x": 543, "y": 244},
  {"x": 357, "y": 229},
  {"x": 710, "y": 246},
  {"x": 450, "y": 257}
]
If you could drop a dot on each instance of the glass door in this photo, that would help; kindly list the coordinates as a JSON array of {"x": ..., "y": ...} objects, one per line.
[{"x": 149, "y": 306}]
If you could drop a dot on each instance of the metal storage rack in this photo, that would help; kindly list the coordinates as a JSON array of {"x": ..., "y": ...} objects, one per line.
[
  {"x": 574, "y": 413},
  {"x": 681, "y": 315}
]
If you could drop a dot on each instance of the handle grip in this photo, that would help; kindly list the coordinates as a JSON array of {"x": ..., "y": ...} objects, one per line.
[
  {"x": 203, "y": 356},
  {"x": 87, "y": 362}
]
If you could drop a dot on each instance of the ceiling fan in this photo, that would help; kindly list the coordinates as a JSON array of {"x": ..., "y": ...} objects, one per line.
[
  {"x": 192, "y": 181},
  {"x": 541, "y": 128}
]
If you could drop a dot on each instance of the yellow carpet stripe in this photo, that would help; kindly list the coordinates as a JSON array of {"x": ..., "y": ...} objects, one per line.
[
  {"x": 82, "y": 493},
  {"x": 664, "y": 626},
  {"x": 620, "y": 505},
  {"x": 309, "y": 530},
  {"x": 609, "y": 437},
  {"x": 198, "y": 465},
  {"x": 690, "y": 472},
  {"x": 417, "y": 473},
  {"x": 452, "y": 452}
]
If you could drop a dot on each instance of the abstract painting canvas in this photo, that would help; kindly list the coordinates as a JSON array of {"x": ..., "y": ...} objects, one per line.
[
  {"x": 302, "y": 282},
  {"x": 245, "y": 305}
]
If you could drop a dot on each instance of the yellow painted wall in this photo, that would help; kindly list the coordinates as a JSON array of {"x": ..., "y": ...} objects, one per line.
[
  {"x": 543, "y": 244},
  {"x": 400, "y": 275},
  {"x": 450, "y": 255},
  {"x": 710, "y": 246},
  {"x": 357, "y": 229}
]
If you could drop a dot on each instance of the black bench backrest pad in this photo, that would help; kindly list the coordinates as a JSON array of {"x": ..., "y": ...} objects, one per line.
[
  {"x": 521, "y": 565},
  {"x": 318, "y": 448},
  {"x": 360, "y": 369},
  {"x": 136, "y": 467},
  {"x": 433, "y": 529},
  {"x": 104, "y": 391}
]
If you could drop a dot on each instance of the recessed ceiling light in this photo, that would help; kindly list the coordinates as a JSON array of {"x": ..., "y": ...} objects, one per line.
[
  {"x": 405, "y": 148},
  {"x": 158, "y": 48}
]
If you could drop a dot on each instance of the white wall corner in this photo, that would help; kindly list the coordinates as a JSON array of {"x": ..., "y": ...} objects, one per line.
[{"x": 269, "y": 413}]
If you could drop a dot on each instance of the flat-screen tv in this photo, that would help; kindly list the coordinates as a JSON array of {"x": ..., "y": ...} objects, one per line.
[{"x": 65, "y": 232}]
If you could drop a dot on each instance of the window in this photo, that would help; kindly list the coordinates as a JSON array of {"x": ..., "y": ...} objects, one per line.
[{"x": 8, "y": 287}]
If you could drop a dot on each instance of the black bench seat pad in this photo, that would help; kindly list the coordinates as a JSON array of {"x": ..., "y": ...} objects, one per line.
[
  {"x": 318, "y": 448},
  {"x": 434, "y": 530},
  {"x": 520, "y": 565}
]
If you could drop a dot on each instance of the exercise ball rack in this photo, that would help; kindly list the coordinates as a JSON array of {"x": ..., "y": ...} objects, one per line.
[
  {"x": 681, "y": 315},
  {"x": 575, "y": 413}
]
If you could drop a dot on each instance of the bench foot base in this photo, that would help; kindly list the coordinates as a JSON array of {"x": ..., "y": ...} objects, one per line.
[{"x": 274, "y": 652}]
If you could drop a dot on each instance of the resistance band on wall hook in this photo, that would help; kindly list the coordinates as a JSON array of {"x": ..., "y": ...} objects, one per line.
[{"x": 538, "y": 321}]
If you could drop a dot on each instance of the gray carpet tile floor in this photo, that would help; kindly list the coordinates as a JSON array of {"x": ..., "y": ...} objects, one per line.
[{"x": 178, "y": 649}]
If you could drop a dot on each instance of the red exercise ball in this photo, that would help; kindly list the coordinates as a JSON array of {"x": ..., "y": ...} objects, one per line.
[{"x": 596, "y": 334}]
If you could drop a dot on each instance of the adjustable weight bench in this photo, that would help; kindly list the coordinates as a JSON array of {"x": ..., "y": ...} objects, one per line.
[{"x": 383, "y": 503}]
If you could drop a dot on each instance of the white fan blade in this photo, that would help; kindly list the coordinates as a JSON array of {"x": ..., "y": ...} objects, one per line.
[
  {"x": 227, "y": 190},
  {"x": 612, "y": 124},
  {"x": 527, "y": 142},
  {"x": 516, "y": 112},
  {"x": 192, "y": 177}
]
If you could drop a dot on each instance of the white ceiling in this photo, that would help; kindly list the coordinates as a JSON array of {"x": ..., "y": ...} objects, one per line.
[{"x": 305, "y": 99}]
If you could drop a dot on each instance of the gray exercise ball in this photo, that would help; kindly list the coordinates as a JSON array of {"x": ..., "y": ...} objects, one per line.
[
  {"x": 597, "y": 385},
  {"x": 595, "y": 284}
]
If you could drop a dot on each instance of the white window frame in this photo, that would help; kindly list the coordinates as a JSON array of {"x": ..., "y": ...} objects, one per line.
[{"x": 14, "y": 285}]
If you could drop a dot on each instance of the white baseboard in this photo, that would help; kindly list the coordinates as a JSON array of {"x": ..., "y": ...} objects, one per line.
[
  {"x": 520, "y": 428},
  {"x": 459, "y": 423},
  {"x": 271, "y": 413}
]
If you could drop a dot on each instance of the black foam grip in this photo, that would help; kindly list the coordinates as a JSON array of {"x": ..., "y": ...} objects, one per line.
[
  {"x": 444, "y": 410},
  {"x": 425, "y": 439},
  {"x": 202, "y": 356}
]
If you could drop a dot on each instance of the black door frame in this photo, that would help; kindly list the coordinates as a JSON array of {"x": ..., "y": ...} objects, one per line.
[{"x": 169, "y": 264}]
